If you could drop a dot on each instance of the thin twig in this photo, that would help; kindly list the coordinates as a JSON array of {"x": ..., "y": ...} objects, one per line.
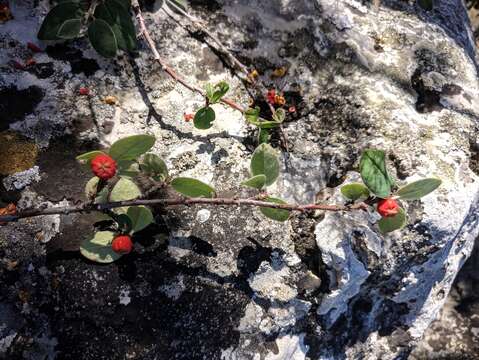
[
  {"x": 198, "y": 25},
  {"x": 87, "y": 207},
  {"x": 165, "y": 67},
  {"x": 259, "y": 86}
]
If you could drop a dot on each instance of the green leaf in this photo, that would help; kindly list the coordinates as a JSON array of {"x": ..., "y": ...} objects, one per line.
[
  {"x": 98, "y": 248},
  {"x": 102, "y": 38},
  {"x": 192, "y": 187},
  {"x": 418, "y": 189},
  {"x": 275, "y": 214},
  {"x": 154, "y": 166},
  {"x": 140, "y": 217},
  {"x": 256, "y": 182},
  {"x": 388, "y": 224},
  {"x": 263, "y": 136},
  {"x": 70, "y": 29},
  {"x": 252, "y": 117},
  {"x": 56, "y": 17},
  {"x": 355, "y": 191},
  {"x": 124, "y": 189},
  {"x": 119, "y": 18},
  {"x": 374, "y": 173},
  {"x": 265, "y": 161},
  {"x": 86, "y": 158},
  {"x": 131, "y": 147},
  {"x": 204, "y": 118},
  {"x": 92, "y": 193},
  {"x": 215, "y": 93},
  {"x": 279, "y": 115},
  {"x": 102, "y": 196},
  {"x": 125, "y": 224},
  {"x": 128, "y": 168},
  {"x": 91, "y": 187}
]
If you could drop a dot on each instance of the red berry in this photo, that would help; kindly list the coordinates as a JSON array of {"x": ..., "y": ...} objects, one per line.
[
  {"x": 84, "y": 91},
  {"x": 270, "y": 96},
  {"x": 103, "y": 166},
  {"x": 388, "y": 207},
  {"x": 188, "y": 117},
  {"x": 30, "y": 62},
  {"x": 122, "y": 244},
  {"x": 34, "y": 48}
]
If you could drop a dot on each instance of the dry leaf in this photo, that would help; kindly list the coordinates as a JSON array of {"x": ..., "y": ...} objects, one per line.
[
  {"x": 10, "y": 209},
  {"x": 110, "y": 100},
  {"x": 279, "y": 72}
]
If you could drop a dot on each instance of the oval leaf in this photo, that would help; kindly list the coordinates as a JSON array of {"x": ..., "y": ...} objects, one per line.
[
  {"x": 124, "y": 189},
  {"x": 355, "y": 191},
  {"x": 418, "y": 189},
  {"x": 56, "y": 18},
  {"x": 275, "y": 214},
  {"x": 128, "y": 168},
  {"x": 70, "y": 29},
  {"x": 91, "y": 187},
  {"x": 397, "y": 222},
  {"x": 192, "y": 187},
  {"x": 140, "y": 217},
  {"x": 374, "y": 173},
  {"x": 256, "y": 182},
  {"x": 279, "y": 115},
  {"x": 265, "y": 162},
  {"x": 118, "y": 17},
  {"x": 155, "y": 167},
  {"x": 86, "y": 158},
  {"x": 131, "y": 147},
  {"x": 98, "y": 248},
  {"x": 204, "y": 118},
  {"x": 102, "y": 38}
]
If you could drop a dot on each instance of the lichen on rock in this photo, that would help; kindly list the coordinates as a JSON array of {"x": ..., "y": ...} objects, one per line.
[{"x": 216, "y": 284}]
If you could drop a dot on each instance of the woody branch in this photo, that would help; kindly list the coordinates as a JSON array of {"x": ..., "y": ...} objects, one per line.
[{"x": 88, "y": 207}]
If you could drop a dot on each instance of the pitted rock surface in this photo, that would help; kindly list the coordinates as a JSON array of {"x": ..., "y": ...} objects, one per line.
[{"x": 213, "y": 283}]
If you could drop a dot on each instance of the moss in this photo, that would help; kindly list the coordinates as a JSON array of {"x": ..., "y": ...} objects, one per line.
[{"x": 18, "y": 154}]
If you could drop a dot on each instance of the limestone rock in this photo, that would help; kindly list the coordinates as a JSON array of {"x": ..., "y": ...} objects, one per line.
[{"x": 216, "y": 284}]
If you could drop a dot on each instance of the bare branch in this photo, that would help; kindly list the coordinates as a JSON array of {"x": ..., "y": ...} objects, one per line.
[{"x": 165, "y": 67}]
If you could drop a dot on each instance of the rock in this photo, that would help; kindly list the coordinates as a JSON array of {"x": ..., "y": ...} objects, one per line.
[{"x": 210, "y": 283}]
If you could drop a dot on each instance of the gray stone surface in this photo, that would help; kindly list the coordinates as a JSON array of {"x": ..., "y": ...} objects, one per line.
[{"x": 215, "y": 284}]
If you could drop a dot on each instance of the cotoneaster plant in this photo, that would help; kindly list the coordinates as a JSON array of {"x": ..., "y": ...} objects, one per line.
[
  {"x": 110, "y": 29},
  {"x": 112, "y": 192},
  {"x": 115, "y": 197},
  {"x": 378, "y": 188}
]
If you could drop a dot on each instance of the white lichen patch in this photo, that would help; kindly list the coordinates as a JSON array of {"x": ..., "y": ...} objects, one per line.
[{"x": 270, "y": 282}]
